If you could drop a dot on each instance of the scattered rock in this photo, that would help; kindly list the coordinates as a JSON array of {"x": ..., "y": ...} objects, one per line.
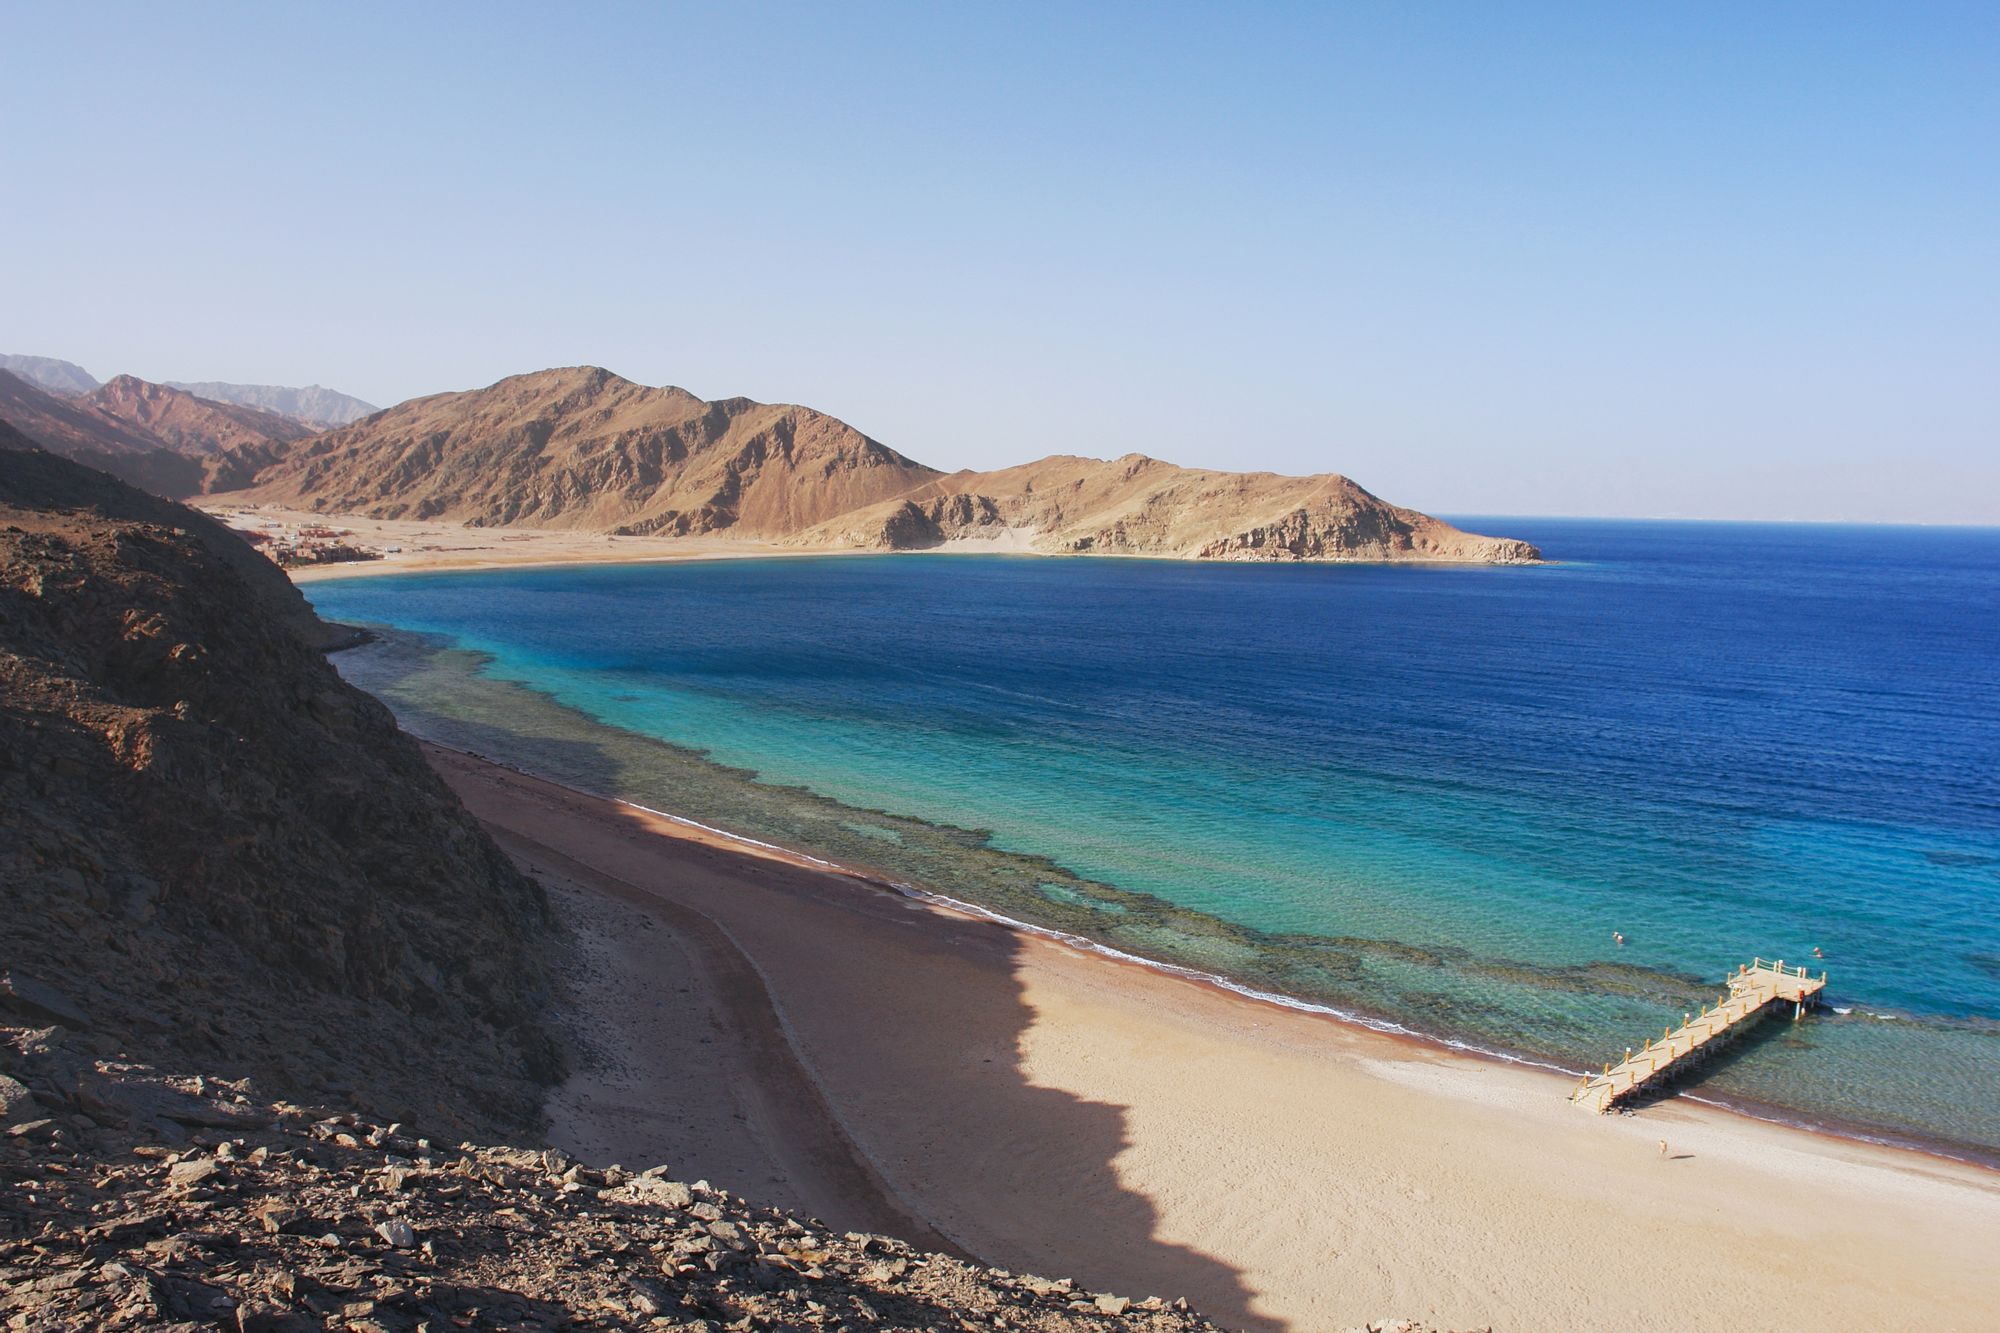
[
  {"x": 397, "y": 1232},
  {"x": 292, "y": 1231},
  {"x": 193, "y": 1172}
]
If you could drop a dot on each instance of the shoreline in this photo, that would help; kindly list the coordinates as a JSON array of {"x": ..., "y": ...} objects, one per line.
[
  {"x": 1353, "y": 1019},
  {"x": 1148, "y": 1131},
  {"x": 447, "y": 548}
]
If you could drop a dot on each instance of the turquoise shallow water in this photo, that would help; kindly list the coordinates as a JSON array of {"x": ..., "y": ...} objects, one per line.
[{"x": 1426, "y": 795}]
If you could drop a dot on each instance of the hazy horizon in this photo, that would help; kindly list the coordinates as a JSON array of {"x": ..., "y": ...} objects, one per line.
[{"x": 1533, "y": 264}]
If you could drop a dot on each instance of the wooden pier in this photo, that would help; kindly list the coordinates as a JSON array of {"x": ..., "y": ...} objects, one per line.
[{"x": 1755, "y": 989}]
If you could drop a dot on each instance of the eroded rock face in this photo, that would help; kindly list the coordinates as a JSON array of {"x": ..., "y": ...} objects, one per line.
[{"x": 224, "y": 855}]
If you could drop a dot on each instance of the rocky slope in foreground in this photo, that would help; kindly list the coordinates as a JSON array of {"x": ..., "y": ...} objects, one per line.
[
  {"x": 269, "y": 1217},
  {"x": 226, "y": 858},
  {"x": 582, "y": 448}
]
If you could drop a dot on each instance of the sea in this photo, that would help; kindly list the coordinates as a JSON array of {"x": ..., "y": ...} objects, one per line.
[{"x": 1427, "y": 798}]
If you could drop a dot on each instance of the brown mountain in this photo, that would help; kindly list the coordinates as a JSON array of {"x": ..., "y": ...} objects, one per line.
[
  {"x": 81, "y": 431},
  {"x": 221, "y": 854},
  {"x": 187, "y": 424},
  {"x": 583, "y": 448},
  {"x": 160, "y": 439},
  {"x": 1137, "y": 505},
  {"x": 66, "y": 424}
]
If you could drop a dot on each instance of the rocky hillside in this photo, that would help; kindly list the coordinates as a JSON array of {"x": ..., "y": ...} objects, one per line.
[
  {"x": 583, "y": 448},
  {"x": 225, "y": 1211},
  {"x": 68, "y": 424},
  {"x": 315, "y": 405},
  {"x": 187, "y": 424},
  {"x": 218, "y": 854},
  {"x": 31, "y": 478},
  {"x": 76, "y": 431},
  {"x": 160, "y": 439},
  {"x": 1141, "y": 506}
]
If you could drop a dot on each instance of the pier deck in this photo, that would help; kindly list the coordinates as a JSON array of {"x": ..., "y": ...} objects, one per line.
[{"x": 1755, "y": 989}]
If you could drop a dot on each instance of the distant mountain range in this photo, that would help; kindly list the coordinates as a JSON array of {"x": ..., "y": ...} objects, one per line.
[
  {"x": 45, "y": 372},
  {"x": 315, "y": 405},
  {"x": 161, "y": 439},
  {"x": 583, "y": 448}
]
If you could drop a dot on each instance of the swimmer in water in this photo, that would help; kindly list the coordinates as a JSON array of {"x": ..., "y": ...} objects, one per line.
[
  {"x": 1619, "y": 936},
  {"x": 1817, "y": 953}
]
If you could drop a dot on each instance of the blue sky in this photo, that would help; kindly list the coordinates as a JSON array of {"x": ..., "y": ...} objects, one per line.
[{"x": 1700, "y": 261}]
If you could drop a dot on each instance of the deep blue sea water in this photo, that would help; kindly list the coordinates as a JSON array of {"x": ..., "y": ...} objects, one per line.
[{"x": 1425, "y": 794}]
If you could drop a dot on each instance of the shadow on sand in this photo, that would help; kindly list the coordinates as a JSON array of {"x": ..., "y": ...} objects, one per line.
[{"x": 910, "y": 1024}]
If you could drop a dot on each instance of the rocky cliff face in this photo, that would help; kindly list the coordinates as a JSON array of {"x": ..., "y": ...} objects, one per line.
[
  {"x": 582, "y": 448},
  {"x": 221, "y": 856}
]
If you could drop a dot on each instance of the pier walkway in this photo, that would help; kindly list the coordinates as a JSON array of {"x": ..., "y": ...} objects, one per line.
[{"x": 1755, "y": 989}]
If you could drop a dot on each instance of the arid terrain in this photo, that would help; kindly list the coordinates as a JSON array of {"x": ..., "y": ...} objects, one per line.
[{"x": 581, "y": 450}]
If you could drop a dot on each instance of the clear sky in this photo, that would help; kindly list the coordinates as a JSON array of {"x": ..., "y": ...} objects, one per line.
[{"x": 1674, "y": 260}]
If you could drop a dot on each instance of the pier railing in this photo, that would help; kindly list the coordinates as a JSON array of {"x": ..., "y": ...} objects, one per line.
[{"x": 1755, "y": 989}]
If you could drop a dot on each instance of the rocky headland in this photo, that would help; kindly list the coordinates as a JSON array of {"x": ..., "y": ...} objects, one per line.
[{"x": 582, "y": 448}]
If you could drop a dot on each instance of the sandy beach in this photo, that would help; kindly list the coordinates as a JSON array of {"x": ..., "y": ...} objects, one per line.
[
  {"x": 811, "y": 1038},
  {"x": 411, "y": 546}
]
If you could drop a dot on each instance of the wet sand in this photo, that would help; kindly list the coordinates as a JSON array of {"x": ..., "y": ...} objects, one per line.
[{"x": 895, "y": 1065}]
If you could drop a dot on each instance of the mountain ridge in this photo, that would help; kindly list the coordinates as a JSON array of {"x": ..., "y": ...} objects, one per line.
[
  {"x": 188, "y": 423},
  {"x": 158, "y": 438},
  {"x": 65, "y": 378},
  {"x": 313, "y": 405},
  {"x": 580, "y": 447}
]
